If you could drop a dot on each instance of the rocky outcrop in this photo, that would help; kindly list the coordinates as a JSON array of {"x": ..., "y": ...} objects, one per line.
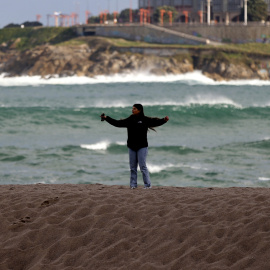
[
  {"x": 82, "y": 60},
  {"x": 48, "y": 60},
  {"x": 100, "y": 58},
  {"x": 224, "y": 70},
  {"x": 110, "y": 62}
]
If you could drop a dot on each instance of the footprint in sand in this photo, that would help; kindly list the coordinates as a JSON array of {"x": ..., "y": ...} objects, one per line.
[{"x": 50, "y": 201}]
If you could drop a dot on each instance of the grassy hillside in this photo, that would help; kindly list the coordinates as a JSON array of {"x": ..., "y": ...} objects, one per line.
[{"x": 30, "y": 37}]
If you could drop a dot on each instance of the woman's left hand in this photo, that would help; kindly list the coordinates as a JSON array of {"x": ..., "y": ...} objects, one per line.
[{"x": 166, "y": 118}]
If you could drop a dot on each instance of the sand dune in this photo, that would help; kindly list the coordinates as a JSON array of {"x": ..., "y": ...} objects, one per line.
[{"x": 113, "y": 227}]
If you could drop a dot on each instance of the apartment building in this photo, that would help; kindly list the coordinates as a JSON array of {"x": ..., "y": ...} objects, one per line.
[{"x": 196, "y": 10}]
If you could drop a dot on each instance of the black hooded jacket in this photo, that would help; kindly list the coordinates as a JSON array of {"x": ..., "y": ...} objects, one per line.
[{"x": 137, "y": 127}]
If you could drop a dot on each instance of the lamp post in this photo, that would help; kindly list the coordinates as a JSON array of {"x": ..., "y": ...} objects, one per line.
[
  {"x": 87, "y": 13},
  {"x": 38, "y": 17},
  {"x": 208, "y": 12},
  {"x": 245, "y": 12},
  {"x": 130, "y": 11},
  {"x": 170, "y": 16},
  {"x": 162, "y": 11}
]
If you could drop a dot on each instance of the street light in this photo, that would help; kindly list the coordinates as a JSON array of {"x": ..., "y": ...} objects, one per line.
[
  {"x": 130, "y": 11},
  {"x": 245, "y": 12},
  {"x": 208, "y": 12}
]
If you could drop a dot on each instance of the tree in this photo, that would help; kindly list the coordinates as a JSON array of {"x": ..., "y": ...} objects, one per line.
[
  {"x": 256, "y": 11},
  {"x": 32, "y": 24},
  {"x": 124, "y": 15},
  {"x": 12, "y": 25},
  {"x": 166, "y": 18},
  {"x": 26, "y": 24},
  {"x": 94, "y": 19}
]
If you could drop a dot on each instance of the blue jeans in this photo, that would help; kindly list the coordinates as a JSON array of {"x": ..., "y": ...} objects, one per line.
[{"x": 136, "y": 157}]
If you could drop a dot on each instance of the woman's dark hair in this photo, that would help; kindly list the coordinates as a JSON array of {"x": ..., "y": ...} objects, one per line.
[{"x": 140, "y": 108}]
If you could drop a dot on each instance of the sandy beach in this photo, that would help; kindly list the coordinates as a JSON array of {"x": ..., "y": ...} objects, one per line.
[{"x": 112, "y": 227}]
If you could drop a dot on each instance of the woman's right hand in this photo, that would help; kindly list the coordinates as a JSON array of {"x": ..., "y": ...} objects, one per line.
[{"x": 103, "y": 117}]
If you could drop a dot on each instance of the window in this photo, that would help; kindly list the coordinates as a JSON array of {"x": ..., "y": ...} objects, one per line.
[
  {"x": 178, "y": 2},
  {"x": 268, "y": 5},
  {"x": 149, "y": 2},
  {"x": 234, "y": 5},
  {"x": 217, "y": 5},
  {"x": 187, "y": 3},
  {"x": 159, "y": 3},
  {"x": 199, "y": 5},
  {"x": 166, "y": 2}
]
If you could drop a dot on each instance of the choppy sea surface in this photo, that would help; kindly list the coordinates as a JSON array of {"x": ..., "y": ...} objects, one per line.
[{"x": 218, "y": 134}]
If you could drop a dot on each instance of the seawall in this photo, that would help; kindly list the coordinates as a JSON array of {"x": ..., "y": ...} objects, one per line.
[
  {"x": 147, "y": 33},
  {"x": 188, "y": 33},
  {"x": 236, "y": 33}
]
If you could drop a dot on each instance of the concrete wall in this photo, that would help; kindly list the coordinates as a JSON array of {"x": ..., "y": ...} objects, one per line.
[
  {"x": 230, "y": 33},
  {"x": 141, "y": 33},
  {"x": 220, "y": 33}
]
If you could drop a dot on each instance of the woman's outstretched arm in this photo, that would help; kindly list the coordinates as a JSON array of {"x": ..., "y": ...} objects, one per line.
[
  {"x": 156, "y": 122},
  {"x": 113, "y": 122}
]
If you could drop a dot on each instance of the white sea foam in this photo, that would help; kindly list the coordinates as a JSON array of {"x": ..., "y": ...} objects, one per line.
[
  {"x": 264, "y": 179},
  {"x": 121, "y": 143},
  {"x": 191, "y": 100},
  {"x": 112, "y": 104},
  {"x": 210, "y": 100},
  {"x": 103, "y": 145},
  {"x": 192, "y": 78},
  {"x": 261, "y": 105},
  {"x": 158, "y": 168},
  {"x": 96, "y": 146}
]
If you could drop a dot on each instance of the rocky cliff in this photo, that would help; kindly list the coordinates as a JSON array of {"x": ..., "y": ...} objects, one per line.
[{"x": 98, "y": 57}]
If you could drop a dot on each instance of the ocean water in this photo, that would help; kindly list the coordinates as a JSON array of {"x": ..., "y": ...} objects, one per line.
[{"x": 218, "y": 134}]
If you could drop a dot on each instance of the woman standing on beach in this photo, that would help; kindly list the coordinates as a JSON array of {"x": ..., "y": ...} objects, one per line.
[{"x": 137, "y": 125}]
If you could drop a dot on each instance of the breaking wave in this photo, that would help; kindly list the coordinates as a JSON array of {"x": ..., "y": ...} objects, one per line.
[{"x": 192, "y": 78}]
